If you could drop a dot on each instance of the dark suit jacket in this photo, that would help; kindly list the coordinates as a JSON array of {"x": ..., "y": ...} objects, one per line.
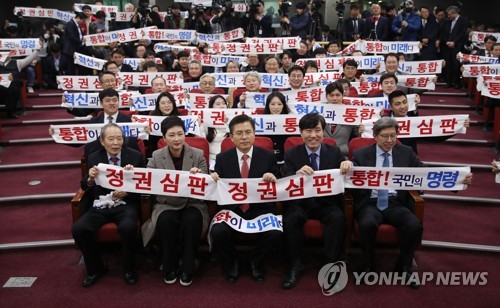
[
  {"x": 122, "y": 118},
  {"x": 382, "y": 28},
  {"x": 457, "y": 35},
  {"x": 263, "y": 161},
  {"x": 49, "y": 67},
  {"x": 329, "y": 158},
  {"x": 71, "y": 39},
  {"x": 349, "y": 29},
  {"x": 127, "y": 68},
  {"x": 430, "y": 32},
  {"x": 128, "y": 156},
  {"x": 402, "y": 156}
]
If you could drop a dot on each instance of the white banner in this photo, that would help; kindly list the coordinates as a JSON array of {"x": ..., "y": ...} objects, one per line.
[
  {"x": 154, "y": 123},
  {"x": 44, "y": 13},
  {"x": 217, "y": 60},
  {"x": 231, "y": 80},
  {"x": 79, "y": 83},
  {"x": 307, "y": 95},
  {"x": 20, "y": 44},
  {"x": 335, "y": 64},
  {"x": 146, "y": 102},
  {"x": 478, "y": 37},
  {"x": 491, "y": 89},
  {"x": 21, "y": 52},
  {"x": 245, "y": 48},
  {"x": 4, "y": 80},
  {"x": 205, "y": 3},
  {"x": 474, "y": 70},
  {"x": 162, "y": 47},
  {"x": 481, "y": 79},
  {"x": 134, "y": 62},
  {"x": 262, "y": 223},
  {"x": 381, "y": 47},
  {"x": 444, "y": 178},
  {"x": 200, "y": 100},
  {"x": 378, "y": 101},
  {"x": 477, "y": 59},
  {"x": 429, "y": 126},
  {"x": 91, "y": 100},
  {"x": 84, "y": 133},
  {"x": 122, "y": 16},
  {"x": 96, "y": 8},
  {"x": 409, "y": 81},
  {"x": 215, "y": 117},
  {"x": 418, "y": 67},
  {"x": 90, "y": 62},
  {"x": 286, "y": 42},
  {"x": 144, "y": 79},
  {"x": 232, "y": 35},
  {"x": 170, "y": 35},
  {"x": 121, "y": 36},
  {"x": 338, "y": 113},
  {"x": 322, "y": 78}
]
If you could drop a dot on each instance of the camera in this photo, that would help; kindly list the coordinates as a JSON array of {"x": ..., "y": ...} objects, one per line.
[
  {"x": 112, "y": 15},
  {"x": 340, "y": 7},
  {"x": 316, "y": 6},
  {"x": 284, "y": 8},
  {"x": 143, "y": 8},
  {"x": 253, "y": 7},
  {"x": 225, "y": 5}
]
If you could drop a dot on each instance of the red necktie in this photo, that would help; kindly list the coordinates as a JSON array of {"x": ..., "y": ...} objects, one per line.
[
  {"x": 332, "y": 128},
  {"x": 374, "y": 19},
  {"x": 244, "y": 174}
]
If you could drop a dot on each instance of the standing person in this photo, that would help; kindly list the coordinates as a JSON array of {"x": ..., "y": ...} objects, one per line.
[
  {"x": 407, "y": 23},
  {"x": 452, "y": 40},
  {"x": 177, "y": 222},
  {"x": 300, "y": 22},
  {"x": 427, "y": 35},
  {"x": 258, "y": 25},
  {"x": 354, "y": 26},
  {"x": 175, "y": 20},
  {"x": 73, "y": 40},
  {"x": 376, "y": 26},
  {"x": 244, "y": 161},
  {"x": 304, "y": 159},
  {"x": 108, "y": 205}
]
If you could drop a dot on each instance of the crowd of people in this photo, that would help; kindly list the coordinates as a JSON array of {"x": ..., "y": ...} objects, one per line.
[{"x": 177, "y": 225}]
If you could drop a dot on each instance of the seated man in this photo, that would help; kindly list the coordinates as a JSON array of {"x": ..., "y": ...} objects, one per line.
[
  {"x": 375, "y": 207},
  {"x": 244, "y": 161},
  {"x": 54, "y": 65},
  {"x": 311, "y": 156},
  {"x": 122, "y": 208}
]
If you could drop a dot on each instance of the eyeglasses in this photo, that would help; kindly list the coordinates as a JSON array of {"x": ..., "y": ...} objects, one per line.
[
  {"x": 386, "y": 137},
  {"x": 206, "y": 83}
]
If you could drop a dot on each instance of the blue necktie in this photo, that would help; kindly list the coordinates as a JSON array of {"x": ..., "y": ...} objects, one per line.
[
  {"x": 383, "y": 194},
  {"x": 314, "y": 163}
]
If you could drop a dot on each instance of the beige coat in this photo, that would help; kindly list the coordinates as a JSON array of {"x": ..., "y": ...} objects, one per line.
[{"x": 161, "y": 159}]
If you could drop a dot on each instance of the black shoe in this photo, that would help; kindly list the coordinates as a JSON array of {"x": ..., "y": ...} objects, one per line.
[
  {"x": 170, "y": 277},
  {"x": 257, "y": 273},
  {"x": 91, "y": 279},
  {"x": 130, "y": 278},
  {"x": 233, "y": 273},
  {"x": 414, "y": 283},
  {"x": 186, "y": 279},
  {"x": 293, "y": 277},
  {"x": 12, "y": 115}
]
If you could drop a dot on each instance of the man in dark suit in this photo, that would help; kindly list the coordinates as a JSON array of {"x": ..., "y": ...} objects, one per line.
[
  {"x": 254, "y": 162},
  {"x": 354, "y": 26},
  {"x": 54, "y": 65},
  {"x": 488, "y": 44},
  {"x": 117, "y": 56},
  {"x": 427, "y": 35},
  {"x": 120, "y": 207},
  {"x": 375, "y": 207},
  {"x": 376, "y": 26},
  {"x": 73, "y": 40},
  {"x": 304, "y": 159},
  {"x": 452, "y": 40}
]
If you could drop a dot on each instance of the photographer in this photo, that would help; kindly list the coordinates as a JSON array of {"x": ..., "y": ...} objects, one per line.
[
  {"x": 198, "y": 20},
  {"x": 225, "y": 18},
  {"x": 299, "y": 23},
  {"x": 256, "y": 23},
  {"x": 144, "y": 17},
  {"x": 174, "y": 20},
  {"x": 407, "y": 23}
]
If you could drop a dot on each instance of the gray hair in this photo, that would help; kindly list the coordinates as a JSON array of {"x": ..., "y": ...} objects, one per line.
[
  {"x": 453, "y": 9},
  {"x": 102, "y": 136},
  {"x": 252, "y": 74},
  {"x": 194, "y": 61},
  {"x": 384, "y": 122},
  {"x": 207, "y": 75}
]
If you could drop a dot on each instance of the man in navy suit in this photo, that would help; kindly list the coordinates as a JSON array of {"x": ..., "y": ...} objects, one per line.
[
  {"x": 354, "y": 26},
  {"x": 304, "y": 159},
  {"x": 73, "y": 40},
  {"x": 427, "y": 35},
  {"x": 452, "y": 40},
  {"x": 117, "y": 56},
  {"x": 376, "y": 26},
  {"x": 374, "y": 207},
  {"x": 54, "y": 65},
  {"x": 234, "y": 163},
  {"x": 122, "y": 208}
]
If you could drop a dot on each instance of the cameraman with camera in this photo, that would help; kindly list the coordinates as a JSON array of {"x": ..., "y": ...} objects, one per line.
[
  {"x": 174, "y": 20},
  {"x": 198, "y": 20},
  {"x": 225, "y": 18},
  {"x": 256, "y": 23},
  {"x": 407, "y": 23},
  {"x": 144, "y": 17},
  {"x": 300, "y": 22}
]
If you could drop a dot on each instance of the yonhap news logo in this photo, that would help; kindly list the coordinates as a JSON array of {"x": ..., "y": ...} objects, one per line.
[{"x": 333, "y": 278}]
